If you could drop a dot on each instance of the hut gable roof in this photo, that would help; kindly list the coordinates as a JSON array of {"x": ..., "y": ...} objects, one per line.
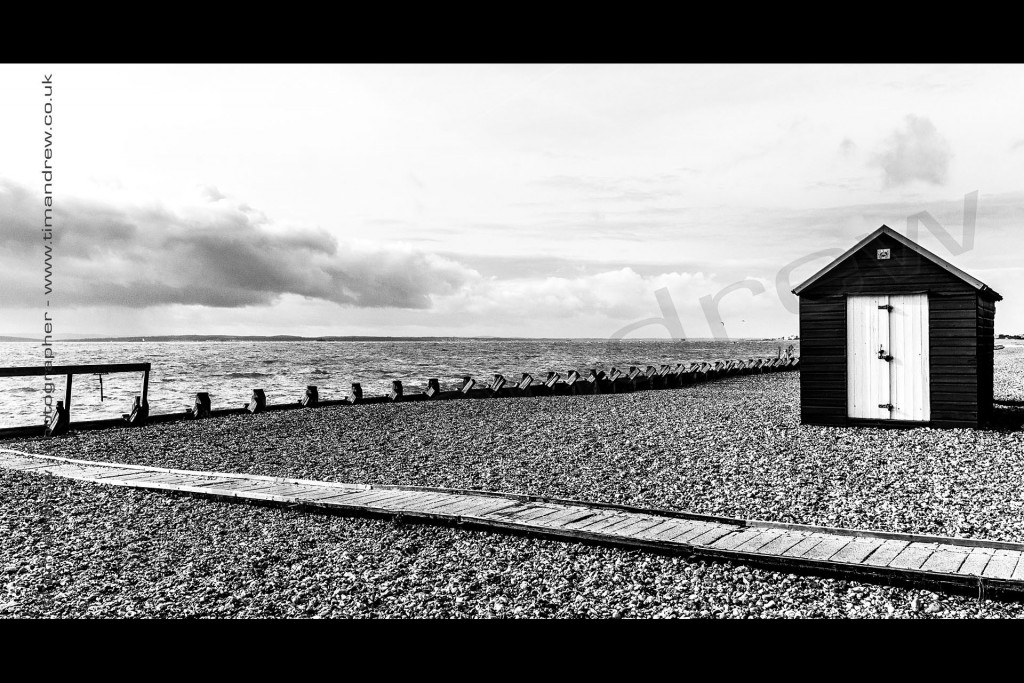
[{"x": 909, "y": 244}]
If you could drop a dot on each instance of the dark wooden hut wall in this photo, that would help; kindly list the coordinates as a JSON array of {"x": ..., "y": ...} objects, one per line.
[
  {"x": 960, "y": 334},
  {"x": 986, "y": 355},
  {"x": 823, "y": 360},
  {"x": 953, "y": 345}
]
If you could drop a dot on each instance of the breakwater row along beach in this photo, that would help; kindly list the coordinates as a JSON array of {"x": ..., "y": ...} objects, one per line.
[{"x": 230, "y": 370}]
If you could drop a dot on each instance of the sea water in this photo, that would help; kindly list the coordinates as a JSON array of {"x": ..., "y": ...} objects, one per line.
[{"x": 230, "y": 370}]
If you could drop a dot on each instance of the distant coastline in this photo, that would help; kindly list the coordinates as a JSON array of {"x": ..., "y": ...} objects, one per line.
[{"x": 352, "y": 338}]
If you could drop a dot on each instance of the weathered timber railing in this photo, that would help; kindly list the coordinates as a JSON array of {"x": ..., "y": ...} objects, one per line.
[
  {"x": 574, "y": 383},
  {"x": 61, "y": 419}
]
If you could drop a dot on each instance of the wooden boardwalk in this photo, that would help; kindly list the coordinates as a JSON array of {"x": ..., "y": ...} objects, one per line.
[{"x": 984, "y": 568}]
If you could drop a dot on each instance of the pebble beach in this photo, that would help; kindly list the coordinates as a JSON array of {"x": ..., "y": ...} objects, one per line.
[{"x": 733, "y": 447}]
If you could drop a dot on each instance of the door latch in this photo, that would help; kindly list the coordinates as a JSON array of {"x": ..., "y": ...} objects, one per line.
[
  {"x": 882, "y": 355},
  {"x": 887, "y": 406},
  {"x": 887, "y": 307}
]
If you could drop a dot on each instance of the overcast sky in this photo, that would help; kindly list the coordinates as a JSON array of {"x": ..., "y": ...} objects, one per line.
[{"x": 513, "y": 200}]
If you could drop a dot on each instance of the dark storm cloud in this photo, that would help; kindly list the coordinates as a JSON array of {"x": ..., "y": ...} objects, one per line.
[
  {"x": 216, "y": 256},
  {"x": 915, "y": 152}
]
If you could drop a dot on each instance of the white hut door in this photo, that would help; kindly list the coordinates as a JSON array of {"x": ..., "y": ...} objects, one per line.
[
  {"x": 887, "y": 357},
  {"x": 908, "y": 340}
]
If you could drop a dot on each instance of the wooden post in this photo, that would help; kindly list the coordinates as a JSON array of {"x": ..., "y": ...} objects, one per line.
[
  {"x": 572, "y": 381},
  {"x": 312, "y": 397},
  {"x": 433, "y": 388},
  {"x": 669, "y": 378},
  {"x": 556, "y": 386},
  {"x": 700, "y": 373},
  {"x": 60, "y": 421},
  {"x": 640, "y": 379},
  {"x": 139, "y": 413},
  {"x": 469, "y": 389},
  {"x": 258, "y": 403},
  {"x": 145, "y": 388},
  {"x": 545, "y": 387},
  {"x": 523, "y": 389},
  {"x": 396, "y": 390},
  {"x": 357, "y": 393},
  {"x": 67, "y": 396},
  {"x": 619, "y": 381},
  {"x": 497, "y": 384},
  {"x": 202, "y": 405}
]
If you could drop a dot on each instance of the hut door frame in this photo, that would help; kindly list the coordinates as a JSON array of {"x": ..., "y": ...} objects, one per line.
[{"x": 887, "y": 357}]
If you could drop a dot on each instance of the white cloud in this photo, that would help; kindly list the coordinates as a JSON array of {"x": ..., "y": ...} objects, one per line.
[{"x": 915, "y": 152}]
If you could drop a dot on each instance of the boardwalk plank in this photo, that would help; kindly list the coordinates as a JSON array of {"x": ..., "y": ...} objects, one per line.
[
  {"x": 531, "y": 513},
  {"x": 423, "y": 506},
  {"x": 912, "y": 557},
  {"x": 289, "y": 490},
  {"x": 944, "y": 561},
  {"x": 91, "y": 472},
  {"x": 1001, "y": 565},
  {"x": 730, "y": 539},
  {"x": 321, "y": 494},
  {"x": 653, "y": 532},
  {"x": 563, "y": 517},
  {"x": 690, "y": 529},
  {"x": 857, "y": 550},
  {"x": 140, "y": 480},
  {"x": 483, "y": 509},
  {"x": 434, "y": 506},
  {"x": 975, "y": 563},
  {"x": 518, "y": 507},
  {"x": 805, "y": 544},
  {"x": 606, "y": 525},
  {"x": 829, "y": 546},
  {"x": 1018, "y": 573},
  {"x": 113, "y": 472},
  {"x": 781, "y": 544},
  {"x": 176, "y": 480},
  {"x": 367, "y": 498},
  {"x": 28, "y": 466},
  {"x": 638, "y": 527},
  {"x": 231, "y": 485},
  {"x": 885, "y": 553},
  {"x": 457, "y": 507},
  {"x": 755, "y": 544},
  {"x": 132, "y": 475},
  {"x": 586, "y": 520},
  {"x": 705, "y": 534},
  {"x": 679, "y": 530},
  {"x": 387, "y": 498}
]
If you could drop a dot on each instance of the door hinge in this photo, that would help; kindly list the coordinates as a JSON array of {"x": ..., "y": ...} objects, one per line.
[
  {"x": 887, "y": 307},
  {"x": 889, "y": 406}
]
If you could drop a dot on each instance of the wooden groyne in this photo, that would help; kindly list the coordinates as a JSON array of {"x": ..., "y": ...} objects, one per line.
[{"x": 573, "y": 383}]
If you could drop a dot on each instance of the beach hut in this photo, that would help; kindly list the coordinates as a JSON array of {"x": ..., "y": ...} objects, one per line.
[{"x": 893, "y": 335}]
